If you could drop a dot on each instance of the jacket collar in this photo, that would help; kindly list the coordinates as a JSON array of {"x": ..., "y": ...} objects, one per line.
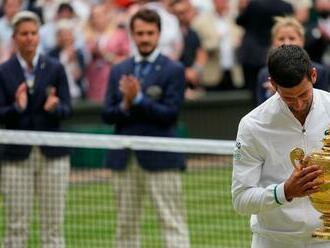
[
  {"x": 151, "y": 58},
  {"x": 23, "y": 63}
]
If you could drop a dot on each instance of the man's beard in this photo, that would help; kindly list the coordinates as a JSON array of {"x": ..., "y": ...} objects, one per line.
[
  {"x": 304, "y": 112},
  {"x": 146, "y": 54}
]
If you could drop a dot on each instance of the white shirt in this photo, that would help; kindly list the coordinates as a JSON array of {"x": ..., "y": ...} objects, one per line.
[
  {"x": 29, "y": 73},
  {"x": 138, "y": 58},
  {"x": 261, "y": 160},
  {"x": 205, "y": 5},
  {"x": 6, "y": 31},
  {"x": 70, "y": 67},
  {"x": 151, "y": 58},
  {"x": 226, "y": 49},
  {"x": 6, "y": 44}
]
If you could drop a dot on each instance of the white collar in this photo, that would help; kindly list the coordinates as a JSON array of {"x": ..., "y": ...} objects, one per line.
[
  {"x": 151, "y": 58},
  {"x": 23, "y": 63}
]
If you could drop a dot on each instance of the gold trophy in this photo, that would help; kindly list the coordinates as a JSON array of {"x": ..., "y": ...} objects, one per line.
[{"x": 321, "y": 199}]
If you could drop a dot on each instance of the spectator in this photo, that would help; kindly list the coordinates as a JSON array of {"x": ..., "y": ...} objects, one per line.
[
  {"x": 32, "y": 5},
  {"x": 71, "y": 58},
  {"x": 301, "y": 9},
  {"x": 49, "y": 8},
  {"x": 193, "y": 57},
  {"x": 288, "y": 31},
  {"x": 10, "y": 8},
  {"x": 107, "y": 42},
  {"x": 256, "y": 17},
  {"x": 318, "y": 33},
  {"x": 220, "y": 38},
  {"x": 34, "y": 95},
  {"x": 65, "y": 11},
  {"x": 144, "y": 96},
  {"x": 265, "y": 185},
  {"x": 112, "y": 8}
]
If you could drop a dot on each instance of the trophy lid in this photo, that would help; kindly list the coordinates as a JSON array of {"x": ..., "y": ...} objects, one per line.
[{"x": 326, "y": 141}]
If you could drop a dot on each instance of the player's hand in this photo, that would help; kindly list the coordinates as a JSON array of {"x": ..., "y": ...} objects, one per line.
[{"x": 303, "y": 182}]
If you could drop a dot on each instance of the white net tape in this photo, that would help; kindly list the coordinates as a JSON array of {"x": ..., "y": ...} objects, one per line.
[{"x": 222, "y": 147}]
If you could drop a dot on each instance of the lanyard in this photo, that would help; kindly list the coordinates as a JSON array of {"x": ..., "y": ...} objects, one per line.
[{"x": 30, "y": 80}]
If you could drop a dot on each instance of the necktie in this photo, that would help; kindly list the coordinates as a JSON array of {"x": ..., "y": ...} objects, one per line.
[{"x": 142, "y": 70}]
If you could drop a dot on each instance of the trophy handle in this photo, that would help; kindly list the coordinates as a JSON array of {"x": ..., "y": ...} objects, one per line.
[{"x": 297, "y": 154}]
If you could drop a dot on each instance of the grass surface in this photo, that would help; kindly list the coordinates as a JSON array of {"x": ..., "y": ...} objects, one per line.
[{"x": 90, "y": 214}]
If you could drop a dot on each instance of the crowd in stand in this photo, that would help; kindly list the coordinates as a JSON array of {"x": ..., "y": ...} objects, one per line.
[{"x": 223, "y": 44}]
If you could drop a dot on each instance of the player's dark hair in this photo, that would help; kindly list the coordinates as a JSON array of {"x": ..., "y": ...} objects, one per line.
[{"x": 288, "y": 65}]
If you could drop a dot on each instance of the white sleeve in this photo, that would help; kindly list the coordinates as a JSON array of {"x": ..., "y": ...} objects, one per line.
[{"x": 248, "y": 196}]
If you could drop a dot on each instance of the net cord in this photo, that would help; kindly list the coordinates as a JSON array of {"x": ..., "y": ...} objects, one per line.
[{"x": 101, "y": 141}]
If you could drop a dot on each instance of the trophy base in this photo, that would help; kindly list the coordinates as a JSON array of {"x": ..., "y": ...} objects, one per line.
[{"x": 321, "y": 233}]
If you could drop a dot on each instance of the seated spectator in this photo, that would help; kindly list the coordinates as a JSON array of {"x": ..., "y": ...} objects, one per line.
[
  {"x": 193, "y": 56},
  {"x": 49, "y": 8},
  {"x": 220, "y": 37},
  {"x": 288, "y": 31},
  {"x": 107, "y": 42},
  {"x": 301, "y": 9},
  {"x": 71, "y": 58},
  {"x": 48, "y": 31},
  {"x": 10, "y": 8},
  {"x": 318, "y": 33},
  {"x": 257, "y": 18}
]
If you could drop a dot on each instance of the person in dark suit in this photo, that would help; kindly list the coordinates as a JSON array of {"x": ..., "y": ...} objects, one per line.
[
  {"x": 288, "y": 31},
  {"x": 34, "y": 95},
  {"x": 143, "y": 98},
  {"x": 256, "y": 18}
]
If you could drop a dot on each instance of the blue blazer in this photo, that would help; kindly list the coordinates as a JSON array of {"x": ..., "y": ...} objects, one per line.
[
  {"x": 155, "y": 115},
  {"x": 48, "y": 73}
]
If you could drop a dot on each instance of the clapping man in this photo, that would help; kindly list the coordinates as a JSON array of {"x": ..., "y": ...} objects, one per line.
[
  {"x": 34, "y": 95},
  {"x": 144, "y": 96}
]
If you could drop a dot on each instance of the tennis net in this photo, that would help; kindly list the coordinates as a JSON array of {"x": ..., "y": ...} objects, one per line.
[{"x": 91, "y": 208}]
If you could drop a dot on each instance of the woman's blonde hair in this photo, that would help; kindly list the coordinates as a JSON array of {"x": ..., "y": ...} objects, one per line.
[{"x": 287, "y": 21}]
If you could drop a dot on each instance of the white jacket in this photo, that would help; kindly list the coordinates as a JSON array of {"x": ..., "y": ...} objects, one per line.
[{"x": 261, "y": 160}]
